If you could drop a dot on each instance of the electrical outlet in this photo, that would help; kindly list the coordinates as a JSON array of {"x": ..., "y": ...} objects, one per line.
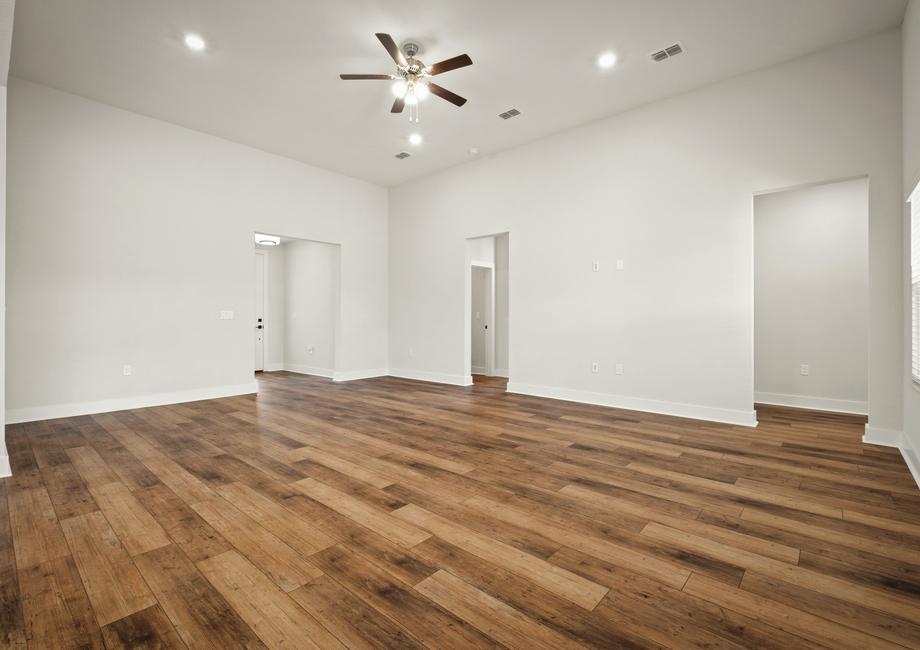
[
  {"x": 619, "y": 369},
  {"x": 595, "y": 266},
  {"x": 126, "y": 370},
  {"x": 621, "y": 265},
  {"x": 226, "y": 314},
  {"x": 803, "y": 369},
  {"x": 594, "y": 366}
]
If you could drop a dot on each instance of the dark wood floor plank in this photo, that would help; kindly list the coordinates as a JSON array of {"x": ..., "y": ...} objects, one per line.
[
  {"x": 146, "y": 629},
  {"x": 200, "y": 615},
  {"x": 12, "y": 624}
]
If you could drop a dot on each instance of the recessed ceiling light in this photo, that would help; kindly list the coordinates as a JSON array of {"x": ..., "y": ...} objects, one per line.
[
  {"x": 195, "y": 42},
  {"x": 415, "y": 139},
  {"x": 606, "y": 60},
  {"x": 267, "y": 240}
]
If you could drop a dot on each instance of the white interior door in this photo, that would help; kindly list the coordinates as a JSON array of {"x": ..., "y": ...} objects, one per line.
[
  {"x": 481, "y": 327},
  {"x": 260, "y": 311}
]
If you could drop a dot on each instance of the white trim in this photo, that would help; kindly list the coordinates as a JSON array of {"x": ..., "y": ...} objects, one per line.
[
  {"x": 482, "y": 265},
  {"x": 273, "y": 367},
  {"x": 479, "y": 370},
  {"x": 501, "y": 372},
  {"x": 896, "y": 439},
  {"x": 53, "y": 411},
  {"x": 5, "y": 469},
  {"x": 352, "y": 375},
  {"x": 911, "y": 457},
  {"x": 879, "y": 436},
  {"x": 815, "y": 403},
  {"x": 308, "y": 370},
  {"x": 436, "y": 377},
  {"x": 693, "y": 411}
]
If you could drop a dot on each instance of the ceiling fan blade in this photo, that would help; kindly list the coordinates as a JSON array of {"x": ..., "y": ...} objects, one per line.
[
  {"x": 444, "y": 93},
  {"x": 387, "y": 41},
  {"x": 366, "y": 76},
  {"x": 450, "y": 64},
  {"x": 398, "y": 105}
]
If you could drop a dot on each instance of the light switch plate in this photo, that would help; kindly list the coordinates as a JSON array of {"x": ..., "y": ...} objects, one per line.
[
  {"x": 619, "y": 369},
  {"x": 621, "y": 265},
  {"x": 226, "y": 314}
]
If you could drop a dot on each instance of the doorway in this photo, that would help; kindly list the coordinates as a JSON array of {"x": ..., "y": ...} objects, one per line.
[
  {"x": 487, "y": 312},
  {"x": 261, "y": 279},
  {"x": 482, "y": 292},
  {"x": 811, "y": 297},
  {"x": 297, "y": 289}
]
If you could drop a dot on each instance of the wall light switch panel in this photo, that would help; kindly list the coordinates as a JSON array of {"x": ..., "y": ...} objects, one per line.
[
  {"x": 226, "y": 314},
  {"x": 803, "y": 369},
  {"x": 309, "y": 349},
  {"x": 126, "y": 370},
  {"x": 595, "y": 266},
  {"x": 621, "y": 265},
  {"x": 594, "y": 367},
  {"x": 619, "y": 369}
]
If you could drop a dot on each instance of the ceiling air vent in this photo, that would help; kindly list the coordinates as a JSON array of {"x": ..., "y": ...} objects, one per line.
[
  {"x": 667, "y": 53},
  {"x": 403, "y": 154},
  {"x": 507, "y": 115}
]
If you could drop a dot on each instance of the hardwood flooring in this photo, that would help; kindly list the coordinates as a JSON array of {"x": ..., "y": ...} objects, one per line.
[{"x": 392, "y": 513}]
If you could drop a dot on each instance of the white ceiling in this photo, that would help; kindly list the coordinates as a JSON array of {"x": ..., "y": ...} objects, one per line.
[{"x": 269, "y": 78}]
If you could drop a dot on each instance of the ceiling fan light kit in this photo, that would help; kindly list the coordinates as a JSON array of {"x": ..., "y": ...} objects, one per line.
[{"x": 411, "y": 82}]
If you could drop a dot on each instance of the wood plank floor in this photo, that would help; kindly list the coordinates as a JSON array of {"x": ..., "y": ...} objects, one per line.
[{"x": 391, "y": 513}]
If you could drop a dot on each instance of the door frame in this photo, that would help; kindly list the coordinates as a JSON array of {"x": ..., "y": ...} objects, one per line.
[
  {"x": 490, "y": 335},
  {"x": 264, "y": 255}
]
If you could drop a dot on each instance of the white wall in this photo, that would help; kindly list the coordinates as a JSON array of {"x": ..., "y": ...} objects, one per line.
[
  {"x": 127, "y": 236},
  {"x": 6, "y": 37},
  {"x": 502, "y": 314},
  {"x": 667, "y": 188},
  {"x": 811, "y": 296},
  {"x": 911, "y": 148},
  {"x": 311, "y": 291},
  {"x": 4, "y": 459}
]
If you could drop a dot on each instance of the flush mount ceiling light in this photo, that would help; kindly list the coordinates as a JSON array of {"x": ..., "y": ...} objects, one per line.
[
  {"x": 194, "y": 42},
  {"x": 606, "y": 60},
  {"x": 415, "y": 139},
  {"x": 267, "y": 240},
  {"x": 411, "y": 79}
]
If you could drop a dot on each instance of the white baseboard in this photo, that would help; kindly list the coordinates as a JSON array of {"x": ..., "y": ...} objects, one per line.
[
  {"x": 5, "y": 469},
  {"x": 478, "y": 370},
  {"x": 814, "y": 403},
  {"x": 273, "y": 367},
  {"x": 912, "y": 457},
  {"x": 436, "y": 377},
  {"x": 898, "y": 440},
  {"x": 301, "y": 369},
  {"x": 713, "y": 414},
  {"x": 53, "y": 411},
  {"x": 352, "y": 375},
  {"x": 879, "y": 436},
  {"x": 501, "y": 372}
]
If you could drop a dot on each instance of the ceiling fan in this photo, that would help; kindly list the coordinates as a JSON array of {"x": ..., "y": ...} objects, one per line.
[{"x": 411, "y": 78}]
